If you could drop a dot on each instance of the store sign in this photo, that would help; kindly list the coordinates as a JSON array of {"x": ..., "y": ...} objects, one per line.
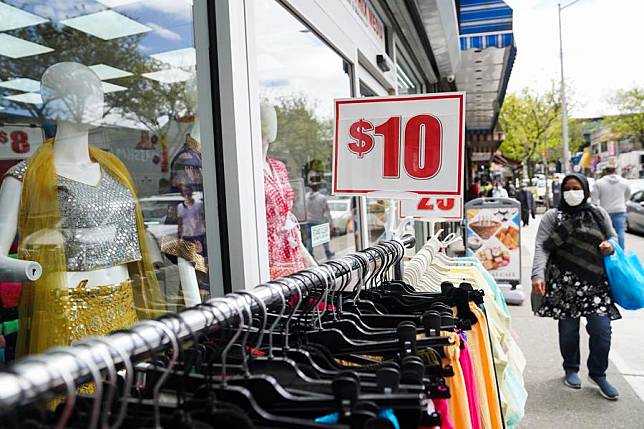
[
  {"x": 19, "y": 142},
  {"x": 369, "y": 18},
  {"x": 320, "y": 234},
  {"x": 493, "y": 235},
  {"x": 399, "y": 144},
  {"x": 433, "y": 208}
]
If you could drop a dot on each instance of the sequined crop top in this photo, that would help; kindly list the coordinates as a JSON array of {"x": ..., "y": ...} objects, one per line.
[{"x": 98, "y": 223}]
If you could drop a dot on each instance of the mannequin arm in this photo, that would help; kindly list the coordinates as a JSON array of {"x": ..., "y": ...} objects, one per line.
[
  {"x": 12, "y": 269},
  {"x": 189, "y": 284}
]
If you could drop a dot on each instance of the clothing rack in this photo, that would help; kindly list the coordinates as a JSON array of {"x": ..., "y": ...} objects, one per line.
[{"x": 32, "y": 378}]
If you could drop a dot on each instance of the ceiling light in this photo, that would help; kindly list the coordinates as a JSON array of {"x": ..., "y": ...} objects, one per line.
[
  {"x": 478, "y": 70},
  {"x": 106, "y": 72},
  {"x": 22, "y": 84},
  {"x": 169, "y": 76},
  {"x": 478, "y": 61},
  {"x": 106, "y": 25},
  {"x": 27, "y": 97},
  {"x": 181, "y": 58},
  {"x": 14, "y": 47},
  {"x": 12, "y": 18},
  {"x": 110, "y": 87}
]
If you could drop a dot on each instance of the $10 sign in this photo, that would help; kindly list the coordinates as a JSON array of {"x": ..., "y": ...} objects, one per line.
[{"x": 407, "y": 144}]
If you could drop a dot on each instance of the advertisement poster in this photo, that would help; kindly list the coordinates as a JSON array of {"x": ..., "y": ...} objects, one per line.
[
  {"x": 493, "y": 235},
  {"x": 411, "y": 144}
]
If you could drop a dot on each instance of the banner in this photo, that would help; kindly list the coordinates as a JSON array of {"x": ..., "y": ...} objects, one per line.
[{"x": 400, "y": 144}]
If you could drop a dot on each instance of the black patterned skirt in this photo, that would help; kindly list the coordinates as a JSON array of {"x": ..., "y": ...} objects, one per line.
[{"x": 570, "y": 297}]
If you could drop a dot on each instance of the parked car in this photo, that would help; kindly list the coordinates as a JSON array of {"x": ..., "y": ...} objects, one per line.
[
  {"x": 340, "y": 214},
  {"x": 636, "y": 185},
  {"x": 635, "y": 211}
]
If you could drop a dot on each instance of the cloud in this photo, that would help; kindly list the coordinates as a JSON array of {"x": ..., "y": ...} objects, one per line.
[{"x": 164, "y": 32}]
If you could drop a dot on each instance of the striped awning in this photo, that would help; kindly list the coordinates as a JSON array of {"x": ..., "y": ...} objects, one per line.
[
  {"x": 484, "y": 16},
  {"x": 487, "y": 55}
]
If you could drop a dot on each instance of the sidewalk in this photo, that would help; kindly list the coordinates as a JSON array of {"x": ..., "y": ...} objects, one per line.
[{"x": 550, "y": 403}]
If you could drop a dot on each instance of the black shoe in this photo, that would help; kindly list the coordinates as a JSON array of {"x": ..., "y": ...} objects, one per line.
[
  {"x": 572, "y": 380},
  {"x": 605, "y": 388}
]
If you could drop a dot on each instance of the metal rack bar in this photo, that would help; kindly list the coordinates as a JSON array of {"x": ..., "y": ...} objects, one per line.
[{"x": 27, "y": 382}]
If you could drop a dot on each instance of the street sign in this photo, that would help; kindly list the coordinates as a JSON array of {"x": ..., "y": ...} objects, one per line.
[
  {"x": 18, "y": 142},
  {"x": 444, "y": 208},
  {"x": 399, "y": 144}
]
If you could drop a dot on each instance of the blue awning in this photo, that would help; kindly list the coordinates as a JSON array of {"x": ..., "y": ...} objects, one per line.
[
  {"x": 487, "y": 55},
  {"x": 485, "y": 16}
]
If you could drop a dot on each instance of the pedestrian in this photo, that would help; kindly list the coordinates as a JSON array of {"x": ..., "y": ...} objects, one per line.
[
  {"x": 191, "y": 221},
  {"x": 317, "y": 213},
  {"x": 510, "y": 189},
  {"x": 498, "y": 191},
  {"x": 568, "y": 274},
  {"x": 475, "y": 189},
  {"x": 611, "y": 192},
  {"x": 528, "y": 206},
  {"x": 486, "y": 189}
]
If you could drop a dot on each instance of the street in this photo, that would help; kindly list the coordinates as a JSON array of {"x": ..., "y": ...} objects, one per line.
[{"x": 551, "y": 404}]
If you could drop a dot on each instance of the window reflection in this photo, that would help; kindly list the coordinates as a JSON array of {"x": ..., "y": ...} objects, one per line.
[{"x": 299, "y": 77}]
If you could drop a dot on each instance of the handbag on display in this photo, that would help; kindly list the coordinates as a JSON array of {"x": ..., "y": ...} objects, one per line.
[{"x": 626, "y": 278}]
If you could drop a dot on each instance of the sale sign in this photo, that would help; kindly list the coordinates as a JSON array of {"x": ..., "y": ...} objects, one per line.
[
  {"x": 444, "y": 208},
  {"x": 19, "y": 142},
  {"x": 400, "y": 144}
]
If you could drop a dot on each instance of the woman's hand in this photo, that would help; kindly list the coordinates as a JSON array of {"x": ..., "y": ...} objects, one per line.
[
  {"x": 606, "y": 248},
  {"x": 538, "y": 286}
]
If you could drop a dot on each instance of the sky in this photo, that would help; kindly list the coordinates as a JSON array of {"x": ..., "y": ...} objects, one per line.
[{"x": 601, "y": 43}]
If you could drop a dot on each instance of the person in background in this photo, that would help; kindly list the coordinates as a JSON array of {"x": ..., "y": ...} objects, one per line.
[
  {"x": 568, "y": 274},
  {"x": 191, "y": 221},
  {"x": 611, "y": 193},
  {"x": 510, "y": 189},
  {"x": 317, "y": 213},
  {"x": 475, "y": 189},
  {"x": 528, "y": 206},
  {"x": 498, "y": 191},
  {"x": 486, "y": 189},
  {"x": 556, "y": 192}
]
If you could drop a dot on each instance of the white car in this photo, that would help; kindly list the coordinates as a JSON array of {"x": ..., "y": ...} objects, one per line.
[
  {"x": 340, "y": 214},
  {"x": 160, "y": 213}
]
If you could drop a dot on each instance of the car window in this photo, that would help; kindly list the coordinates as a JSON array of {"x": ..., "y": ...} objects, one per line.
[{"x": 638, "y": 197}]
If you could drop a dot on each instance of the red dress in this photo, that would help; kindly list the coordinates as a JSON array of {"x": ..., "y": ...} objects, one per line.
[{"x": 284, "y": 249}]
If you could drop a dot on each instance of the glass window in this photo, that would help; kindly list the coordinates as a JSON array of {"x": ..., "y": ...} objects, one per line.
[
  {"x": 407, "y": 81},
  {"x": 299, "y": 77},
  {"x": 100, "y": 99}
]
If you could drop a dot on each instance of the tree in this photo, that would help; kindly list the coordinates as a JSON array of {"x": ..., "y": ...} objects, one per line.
[
  {"x": 529, "y": 121},
  {"x": 630, "y": 122}
]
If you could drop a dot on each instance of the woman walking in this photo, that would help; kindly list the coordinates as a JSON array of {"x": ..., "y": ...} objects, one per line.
[{"x": 568, "y": 272}]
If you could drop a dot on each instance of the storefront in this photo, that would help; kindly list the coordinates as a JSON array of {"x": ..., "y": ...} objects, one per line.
[{"x": 222, "y": 114}]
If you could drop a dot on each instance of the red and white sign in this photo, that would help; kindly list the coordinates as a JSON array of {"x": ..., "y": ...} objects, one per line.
[
  {"x": 19, "y": 142},
  {"x": 434, "y": 208},
  {"x": 400, "y": 144}
]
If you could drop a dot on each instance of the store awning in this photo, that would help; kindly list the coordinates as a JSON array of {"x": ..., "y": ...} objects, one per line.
[
  {"x": 440, "y": 19},
  {"x": 482, "y": 145},
  {"x": 487, "y": 56}
]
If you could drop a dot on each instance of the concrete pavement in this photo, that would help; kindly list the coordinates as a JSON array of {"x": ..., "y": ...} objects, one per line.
[{"x": 553, "y": 405}]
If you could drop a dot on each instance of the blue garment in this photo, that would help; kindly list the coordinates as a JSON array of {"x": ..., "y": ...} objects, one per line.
[
  {"x": 619, "y": 223},
  {"x": 599, "y": 331},
  {"x": 387, "y": 413}
]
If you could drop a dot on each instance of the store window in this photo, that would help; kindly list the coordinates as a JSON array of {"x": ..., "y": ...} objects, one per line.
[
  {"x": 407, "y": 81},
  {"x": 98, "y": 124},
  {"x": 299, "y": 77}
]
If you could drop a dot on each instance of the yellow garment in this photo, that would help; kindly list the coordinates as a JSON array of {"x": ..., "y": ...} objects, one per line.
[
  {"x": 458, "y": 404},
  {"x": 480, "y": 353},
  {"x": 39, "y": 222}
]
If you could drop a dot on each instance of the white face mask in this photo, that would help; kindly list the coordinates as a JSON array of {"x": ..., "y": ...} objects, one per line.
[{"x": 573, "y": 198}]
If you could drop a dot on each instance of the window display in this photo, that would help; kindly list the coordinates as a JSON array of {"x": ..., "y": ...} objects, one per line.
[
  {"x": 299, "y": 77},
  {"x": 107, "y": 208}
]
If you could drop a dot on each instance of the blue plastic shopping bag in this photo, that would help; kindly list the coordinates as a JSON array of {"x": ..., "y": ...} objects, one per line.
[{"x": 626, "y": 278}]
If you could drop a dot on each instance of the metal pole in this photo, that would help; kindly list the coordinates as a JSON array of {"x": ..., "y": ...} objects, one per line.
[{"x": 564, "y": 113}]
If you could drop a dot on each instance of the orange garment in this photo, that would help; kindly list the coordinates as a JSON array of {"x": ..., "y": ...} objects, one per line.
[
  {"x": 458, "y": 404},
  {"x": 480, "y": 352}
]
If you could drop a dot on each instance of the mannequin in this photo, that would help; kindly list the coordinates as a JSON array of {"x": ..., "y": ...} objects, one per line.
[
  {"x": 76, "y": 211},
  {"x": 287, "y": 253}
]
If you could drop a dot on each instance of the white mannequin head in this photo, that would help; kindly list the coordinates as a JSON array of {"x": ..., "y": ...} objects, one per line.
[
  {"x": 269, "y": 124},
  {"x": 72, "y": 92}
]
